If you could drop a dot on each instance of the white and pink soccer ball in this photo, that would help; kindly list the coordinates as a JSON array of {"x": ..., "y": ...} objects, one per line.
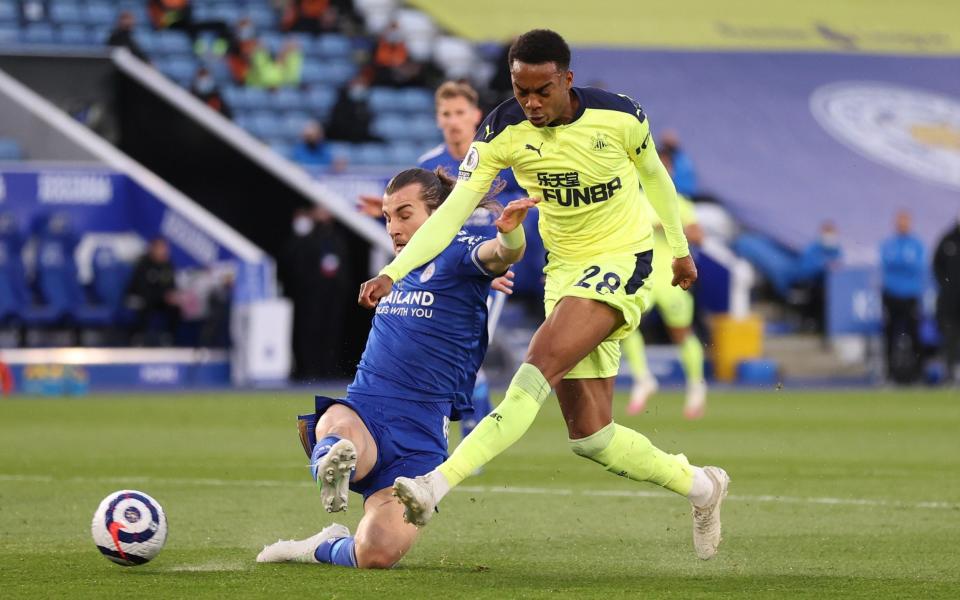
[{"x": 129, "y": 528}]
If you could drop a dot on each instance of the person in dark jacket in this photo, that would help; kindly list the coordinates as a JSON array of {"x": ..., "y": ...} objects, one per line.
[
  {"x": 122, "y": 36},
  {"x": 152, "y": 297},
  {"x": 946, "y": 270}
]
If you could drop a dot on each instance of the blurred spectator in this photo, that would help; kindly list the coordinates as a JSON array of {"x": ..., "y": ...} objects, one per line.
[
  {"x": 313, "y": 268},
  {"x": 392, "y": 63},
  {"x": 243, "y": 43},
  {"x": 946, "y": 270},
  {"x": 903, "y": 265},
  {"x": 312, "y": 149},
  {"x": 269, "y": 72},
  {"x": 501, "y": 84},
  {"x": 309, "y": 16},
  {"x": 814, "y": 262},
  {"x": 33, "y": 11},
  {"x": 122, "y": 35},
  {"x": 684, "y": 177},
  {"x": 152, "y": 297},
  {"x": 351, "y": 117},
  {"x": 205, "y": 88}
]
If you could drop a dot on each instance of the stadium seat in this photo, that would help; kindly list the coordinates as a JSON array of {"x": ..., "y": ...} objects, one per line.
[
  {"x": 282, "y": 148},
  {"x": 287, "y": 99},
  {"x": 74, "y": 34},
  {"x": 402, "y": 153},
  {"x": 173, "y": 42},
  {"x": 265, "y": 124},
  {"x": 320, "y": 99},
  {"x": 332, "y": 45},
  {"x": 393, "y": 127},
  {"x": 179, "y": 68},
  {"x": 454, "y": 55},
  {"x": 228, "y": 13},
  {"x": 65, "y": 12},
  {"x": 416, "y": 100},
  {"x": 9, "y": 12},
  {"x": 383, "y": 99},
  {"x": 262, "y": 16},
  {"x": 293, "y": 124},
  {"x": 776, "y": 263},
  {"x": 99, "y": 13},
  {"x": 369, "y": 154},
  {"x": 9, "y": 34},
  {"x": 10, "y": 149},
  {"x": 147, "y": 39},
  {"x": 38, "y": 33},
  {"x": 109, "y": 286},
  {"x": 59, "y": 285}
]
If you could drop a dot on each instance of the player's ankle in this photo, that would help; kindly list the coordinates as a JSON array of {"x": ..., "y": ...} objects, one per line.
[
  {"x": 439, "y": 484},
  {"x": 702, "y": 488}
]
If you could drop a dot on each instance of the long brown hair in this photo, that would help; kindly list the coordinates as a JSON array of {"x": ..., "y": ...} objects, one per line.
[{"x": 436, "y": 185}]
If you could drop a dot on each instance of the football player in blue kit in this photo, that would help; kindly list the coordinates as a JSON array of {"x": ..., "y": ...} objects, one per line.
[
  {"x": 458, "y": 115},
  {"x": 426, "y": 343}
]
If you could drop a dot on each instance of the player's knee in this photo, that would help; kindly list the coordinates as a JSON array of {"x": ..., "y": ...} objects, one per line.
[
  {"x": 593, "y": 446},
  {"x": 376, "y": 549},
  {"x": 549, "y": 363}
]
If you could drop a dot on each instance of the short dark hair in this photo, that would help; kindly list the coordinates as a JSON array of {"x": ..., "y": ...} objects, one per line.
[
  {"x": 539, "y": 46},
  {"x": 436, "y": 185}
]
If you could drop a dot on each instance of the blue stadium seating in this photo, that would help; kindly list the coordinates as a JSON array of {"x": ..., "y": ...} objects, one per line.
[
  {"x": 321, "y": 99},
  {"x": 9, "y": 34},
  {"x": 287, "y": 99},
  {"x": 173, "y": 42},
  {"x": 59, "y": 286},
  {"x": 65, "y": 12},
  {"x": 110, "y": 278},
  {"x": 74, "y": 34},
  {"x": 332, "y": 45},
  {"x": 9, "y": 12},
  {"x": 263, "y": 16},
  {"x": 38, "y": 33},
  {"x": 10, "y": 149},
  {"x": 100, "y": 13},
  {"x": 293, "y": 124}
]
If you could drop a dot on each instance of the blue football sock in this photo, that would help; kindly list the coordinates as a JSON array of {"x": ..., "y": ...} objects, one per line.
[
  {"x": 338, "y": 551},
  {"x": 320, "y": 450},
  {"x": 481, "y": 408}
]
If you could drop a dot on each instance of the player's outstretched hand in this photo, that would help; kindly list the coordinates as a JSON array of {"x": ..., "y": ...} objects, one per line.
[
  {"x": 684, "y": 272},
  {"x": 504, "y": 283},
  {"x": 514, "y": 214},
  {"x": 371, "y": 291},
  {"x": 372, "y": 206}
]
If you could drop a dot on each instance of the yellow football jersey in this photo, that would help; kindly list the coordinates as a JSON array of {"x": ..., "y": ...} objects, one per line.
[{"x": 585, "y": 173}]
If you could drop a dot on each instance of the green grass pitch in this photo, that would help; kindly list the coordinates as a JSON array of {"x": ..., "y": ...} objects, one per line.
[{"x": 834, "y": 493}]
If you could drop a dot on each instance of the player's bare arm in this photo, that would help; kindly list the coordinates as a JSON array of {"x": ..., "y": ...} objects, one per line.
[{"x": 508, "y": 247}]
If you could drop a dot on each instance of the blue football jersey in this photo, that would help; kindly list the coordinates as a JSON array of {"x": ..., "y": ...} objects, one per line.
[
  {"x": 429, "y": 334},
  {"x": 481, "y": 221}
]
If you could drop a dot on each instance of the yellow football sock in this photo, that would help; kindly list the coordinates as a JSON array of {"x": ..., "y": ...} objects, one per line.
[
  {"x": 691, "y": 357},
  {"x": 630, "y": 454},
  {"x": 635, "y": 351},
  {"x": 501, "y": 428}
]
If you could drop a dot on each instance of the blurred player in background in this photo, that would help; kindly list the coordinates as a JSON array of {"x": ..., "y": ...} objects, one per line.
[
  {"x": 413, "y": 379},
  {"x": 585, "y": 152},
  {"x": 458, "y": 114},
  {"x": 676, "y": 310}
]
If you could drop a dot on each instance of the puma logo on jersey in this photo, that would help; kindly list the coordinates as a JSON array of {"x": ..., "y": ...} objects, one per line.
[
  {"x": 537, "y": 150},
  {"x": 487, "y": 132}
]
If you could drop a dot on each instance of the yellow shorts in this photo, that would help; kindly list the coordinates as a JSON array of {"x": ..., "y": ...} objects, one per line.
[{"x": 621, "y": 281}]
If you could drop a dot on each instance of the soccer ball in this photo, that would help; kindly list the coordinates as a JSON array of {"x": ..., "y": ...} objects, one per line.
[{"x": 129, "y": 528}]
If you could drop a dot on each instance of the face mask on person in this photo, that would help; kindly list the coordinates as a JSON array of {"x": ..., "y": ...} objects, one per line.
[
  {"x": 302, "y": 225},
  {"x": 358, "y": 93},
  {"x": 205, "y": 84},
  {"x": 830, "y": 240},
  {"x": 394, "y": 37}
]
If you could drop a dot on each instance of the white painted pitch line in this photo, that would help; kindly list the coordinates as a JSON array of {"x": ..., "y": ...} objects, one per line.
[{"x": 483, "y": 489}]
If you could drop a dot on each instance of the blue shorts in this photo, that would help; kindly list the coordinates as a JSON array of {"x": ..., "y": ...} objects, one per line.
[{"x": 411, "y": 437}]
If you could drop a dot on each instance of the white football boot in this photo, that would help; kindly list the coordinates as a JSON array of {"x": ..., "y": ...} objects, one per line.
[
  {"x": 301, "y": 551},
  {"x": 641, "y": 391},
  {"x": 333, "y": 475},
  {"x": 696, "y": 404},
  {"x": 417, "y": 497},
  {"x": 706, "y": 518}
]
